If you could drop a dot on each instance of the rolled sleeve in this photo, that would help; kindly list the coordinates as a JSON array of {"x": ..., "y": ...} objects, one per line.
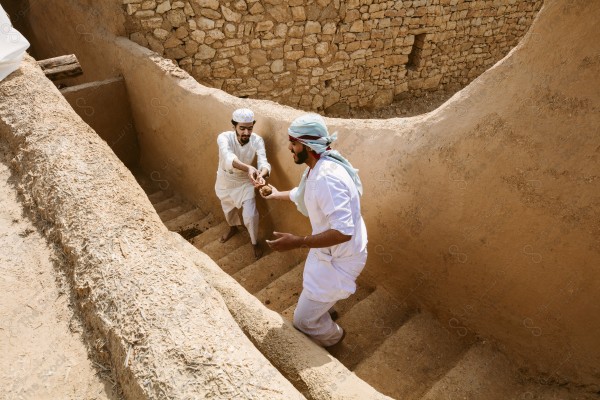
[
  {"x": 225, "y": 152},
  {"x": 334, "y": 200},
  {"x": 294, "y": 194},
  {"x": 261, "y": 155}
]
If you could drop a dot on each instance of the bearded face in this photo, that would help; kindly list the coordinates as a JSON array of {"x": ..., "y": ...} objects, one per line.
[
  {"x": 299, "y": 151},
  {"x": 243, "y": 130}
]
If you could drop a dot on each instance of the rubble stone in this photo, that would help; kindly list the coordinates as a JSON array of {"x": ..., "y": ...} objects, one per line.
[{"x": 297, "y": 52}]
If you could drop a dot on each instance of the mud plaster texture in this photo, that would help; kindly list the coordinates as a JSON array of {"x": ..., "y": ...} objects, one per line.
[
  {"x": 484, "y": 211},
  {"x": 43, "y": 353},
  {"x": 164, "y": 331}
]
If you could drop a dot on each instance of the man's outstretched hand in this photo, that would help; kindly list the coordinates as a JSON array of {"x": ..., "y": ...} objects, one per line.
[
  {"x": 285, "y": 241},
  {"x": 253, "y": 174},
  {"x": 259, "y": 182}
]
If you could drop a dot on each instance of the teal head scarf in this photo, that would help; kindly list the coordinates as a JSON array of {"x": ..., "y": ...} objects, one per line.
[{"x": 311, "y": 131}]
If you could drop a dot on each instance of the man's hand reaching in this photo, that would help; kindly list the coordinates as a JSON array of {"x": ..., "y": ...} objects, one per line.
[
  {"x": 253, "y": 174},
  {"x": 285, "y": 241},
  {"x": 259, "y": 182}
]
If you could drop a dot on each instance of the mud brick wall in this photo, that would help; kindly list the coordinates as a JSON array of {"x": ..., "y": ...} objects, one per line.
[{"x": 330, "y": 54}]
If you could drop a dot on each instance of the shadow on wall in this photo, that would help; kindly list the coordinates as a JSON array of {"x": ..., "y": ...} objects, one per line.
[
  {"x": 489, "y": 202},
  {"x": 104, "y": 105}
]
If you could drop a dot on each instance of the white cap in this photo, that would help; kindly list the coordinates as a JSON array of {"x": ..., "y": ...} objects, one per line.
[{"x": 243, "y": 115}]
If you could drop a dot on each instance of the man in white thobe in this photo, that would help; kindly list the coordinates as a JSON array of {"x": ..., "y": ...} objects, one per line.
[
  {"x": 329, "y": 194},
  {"x": 237, "y": 178}
]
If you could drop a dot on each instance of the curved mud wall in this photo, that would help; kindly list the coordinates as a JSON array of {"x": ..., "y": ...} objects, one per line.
[
  {"x": 331, "y": 55},
  {"x": 484, "y": 211}
]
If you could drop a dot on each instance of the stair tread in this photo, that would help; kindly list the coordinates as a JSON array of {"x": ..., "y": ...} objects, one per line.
[
  {"x": 168, "y": 203},
  {"x": 158, "y": 196},
  {"x": 240, "y": 258},
  {"x": 283, "y": 292},
  {"x": 210, "y": 235},
  {"x": 197, "y": 227},
  {"x": 485, "y": 373},
  {"x": 367, "y": 325},
  {"x": 174, "y": 212},
  {"x": 176, "y": 224},
  {"x": 267, "y": 269},
  {"x": 216, "y": 250},
  {"x": 419, "y": 353}
]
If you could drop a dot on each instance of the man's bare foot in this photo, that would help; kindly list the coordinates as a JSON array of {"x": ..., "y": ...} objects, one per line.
[
  {"x": 258, "y": 252},
  {"x": 232, "y": 231}
]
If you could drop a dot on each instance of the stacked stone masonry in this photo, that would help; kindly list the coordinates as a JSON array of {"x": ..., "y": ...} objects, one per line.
[{"x": 330, "y": 54}]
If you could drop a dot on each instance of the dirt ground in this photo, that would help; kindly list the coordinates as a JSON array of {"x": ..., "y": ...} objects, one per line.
[{"x": 43, "y": 354}]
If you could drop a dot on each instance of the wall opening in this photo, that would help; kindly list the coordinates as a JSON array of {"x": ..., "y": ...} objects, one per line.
[{"x": 416, "y": 53}]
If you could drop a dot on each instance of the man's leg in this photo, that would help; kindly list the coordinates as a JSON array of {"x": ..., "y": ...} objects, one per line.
[
  {"x": 250, "y": 216},
  {"x": 312, "y": 318},
  {"x": 232, "y": 218}
]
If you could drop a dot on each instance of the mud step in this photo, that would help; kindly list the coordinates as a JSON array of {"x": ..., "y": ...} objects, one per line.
[
  {"x": 156, "y": 197},
  {"x": 342, "y": 306},
  {"x": 168, "y": 203},
  {"x": 208, "y": 241},
  {"x": 480, "y": 374},
  {"x": 367, "y": 325},
  {"x": 189, "y": 217},
  {"x": 485, "y": 373},
  {"x": 210, "y": 235},
  {"x": 418, "y": 354},
  {"x": 174, "y": 212},
  {"x": 197, "y": 227},
  {"x": 240, "y": 258},
  {"x": 270, "y": 267},
  {"x": 284, "y": 292}
]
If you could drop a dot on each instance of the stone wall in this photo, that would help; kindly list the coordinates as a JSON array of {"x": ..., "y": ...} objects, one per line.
[{"x": 320, "y": 54}]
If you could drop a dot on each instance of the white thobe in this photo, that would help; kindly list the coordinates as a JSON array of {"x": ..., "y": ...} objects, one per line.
[
  {"x": 233, "y": 187},
  {"x": 330, "y": 273}
]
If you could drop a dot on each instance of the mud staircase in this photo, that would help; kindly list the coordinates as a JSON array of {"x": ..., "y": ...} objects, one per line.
[{"x": 401, "y": 352}]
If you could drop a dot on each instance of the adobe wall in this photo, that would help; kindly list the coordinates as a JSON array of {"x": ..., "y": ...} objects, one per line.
[
  {"x": 483, "y": 211},
  {"x": 330, "y": 55}
]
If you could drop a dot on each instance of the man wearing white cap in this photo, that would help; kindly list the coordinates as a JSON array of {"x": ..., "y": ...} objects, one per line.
[
  {"x": 237, "y": 178},
  {"x": 329, "y": 194}
]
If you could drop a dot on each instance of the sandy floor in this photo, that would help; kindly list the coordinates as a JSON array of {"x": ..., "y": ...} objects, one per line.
[{"x": 43, "y": 355}]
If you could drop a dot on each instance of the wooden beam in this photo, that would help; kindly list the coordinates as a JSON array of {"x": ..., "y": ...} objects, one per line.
[{"x": 61, "y": 67}]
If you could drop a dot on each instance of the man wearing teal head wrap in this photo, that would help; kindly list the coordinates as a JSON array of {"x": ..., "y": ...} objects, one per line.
[{"x": 329, "y": 194}]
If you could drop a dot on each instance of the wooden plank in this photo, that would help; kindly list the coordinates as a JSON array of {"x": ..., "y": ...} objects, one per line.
[
  {"x": 56, "y": 61},
  {"x": 61, "y": 67}
]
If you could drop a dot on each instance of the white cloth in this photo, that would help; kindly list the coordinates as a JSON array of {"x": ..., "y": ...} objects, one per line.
[
  {"x": 12, "y": 46},
  {"x": 333, "y": 202},
  {"x": 243, "y": 115},
  {"x": 249, "y": 214},
  {"x": 233, "y": 187},
  {"x": 230, "y": 149},
  {"x": 312, "y": 317}
]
